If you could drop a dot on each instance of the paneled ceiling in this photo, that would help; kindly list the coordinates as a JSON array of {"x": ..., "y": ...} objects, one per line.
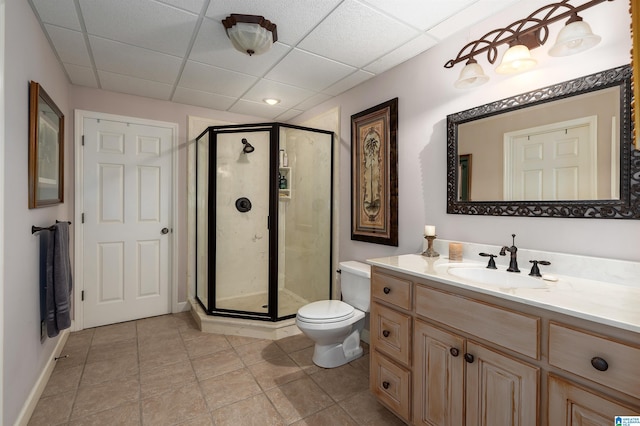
[{"x": 177, "y": 50}]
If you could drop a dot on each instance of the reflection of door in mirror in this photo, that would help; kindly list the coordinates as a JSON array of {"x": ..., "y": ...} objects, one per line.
[
  {"x": 553, "y": 162},
  {"x": 485, "y": 140}
]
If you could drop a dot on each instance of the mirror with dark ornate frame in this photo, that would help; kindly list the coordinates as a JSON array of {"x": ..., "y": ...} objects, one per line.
[
  {"x": 512, "y": 146},
  {"x": 46, "y": 149}
]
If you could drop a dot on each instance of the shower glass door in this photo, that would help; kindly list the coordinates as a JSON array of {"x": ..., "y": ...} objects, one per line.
[{"x": 241, "y": 211}]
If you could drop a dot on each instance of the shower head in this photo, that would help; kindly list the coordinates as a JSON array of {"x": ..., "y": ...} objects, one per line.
[{"x": 247, "y": 146}]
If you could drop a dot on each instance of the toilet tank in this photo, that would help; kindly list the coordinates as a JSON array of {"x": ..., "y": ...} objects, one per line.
[{"x": 356, "y": 284}]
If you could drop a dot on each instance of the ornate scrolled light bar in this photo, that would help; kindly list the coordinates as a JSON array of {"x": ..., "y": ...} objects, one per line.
[{"x": 532, "y": 32}]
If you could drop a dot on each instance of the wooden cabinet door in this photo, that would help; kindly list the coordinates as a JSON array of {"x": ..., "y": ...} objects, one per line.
[
  {"x": 500, "y": 390},
  {"x": 438, "y": 380},
  {"x": 573, "y": 405}
]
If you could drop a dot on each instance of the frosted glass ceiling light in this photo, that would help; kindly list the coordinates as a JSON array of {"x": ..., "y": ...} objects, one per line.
[
  {"x": 250, "y": 34},
  {"x": 516, "y": 59},
  {"x": 472, "y": 75},
  {"x": 575, "y": 37}
]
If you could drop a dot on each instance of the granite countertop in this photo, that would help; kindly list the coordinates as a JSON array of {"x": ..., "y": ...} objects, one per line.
[{"x": 614, "y": 304}]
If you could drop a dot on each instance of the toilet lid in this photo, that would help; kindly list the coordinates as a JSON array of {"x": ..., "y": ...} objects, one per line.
[{"x": 326, "y": 311}]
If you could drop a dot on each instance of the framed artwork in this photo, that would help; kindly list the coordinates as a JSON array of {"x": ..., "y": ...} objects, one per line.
[
  {"x": 374, "y": 174},
  {"x": 634, "y": 8},
  {"x": 46, "y": 149}
]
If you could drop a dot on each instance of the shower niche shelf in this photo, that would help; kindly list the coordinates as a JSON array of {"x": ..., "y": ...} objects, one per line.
[{"x": 284, "y": 194}]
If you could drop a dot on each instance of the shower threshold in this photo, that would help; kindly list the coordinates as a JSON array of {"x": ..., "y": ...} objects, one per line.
[{"x": 243, "y": 327}]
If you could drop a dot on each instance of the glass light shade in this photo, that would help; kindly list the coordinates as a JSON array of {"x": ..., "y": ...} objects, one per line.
[
  {"x": 251, "y": 39},
  {"x": 574, "y": 37},
  {"x": 472, "y": 75},
  {"x": 516, "y": 59}
]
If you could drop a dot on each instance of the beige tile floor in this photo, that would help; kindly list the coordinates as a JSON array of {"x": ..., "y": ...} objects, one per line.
[{"x": 164, "y": 371}]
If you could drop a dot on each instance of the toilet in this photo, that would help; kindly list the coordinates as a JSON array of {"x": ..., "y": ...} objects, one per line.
[{"x": 335, "y": 325}]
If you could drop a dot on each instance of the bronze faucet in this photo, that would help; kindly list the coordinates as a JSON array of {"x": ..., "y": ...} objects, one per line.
[{"x": 513, "y": 263}]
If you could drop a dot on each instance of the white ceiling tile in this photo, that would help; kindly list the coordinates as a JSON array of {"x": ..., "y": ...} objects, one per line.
[
  {"x": 289, "y": 96},
  {"x": 60, "y": 12},
  {"x": 314, "y": 100},
  {"x": 70, "y": 45},
  {"x": 469, "y": 16},
  {"x": 194, "y": 6},
  {"x": 288, "y": 115},
  {"x": 348, "y": 82},
  {"x": 294, "y": 19},
  {"x": 82, "y": 76},
  {"x": 215, "y": 80},
  {"x": 203, "y": 99},
  {"x": 308, "y": 71},
  {"x": 258, "y": 109},
  {"x": 419, "y": 13},
  {"x": 143, "y": 23},
  {"x": 356, "y": 34},
  {"x": 398, "y": 56},
  {"x": 134, "y": 86},
  {"x": 134, "y": 61},
  {"x": 213, "y": 47}
]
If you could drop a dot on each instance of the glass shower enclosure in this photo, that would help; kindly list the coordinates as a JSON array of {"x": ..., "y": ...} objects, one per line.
[{"x": 264, "y": 198}]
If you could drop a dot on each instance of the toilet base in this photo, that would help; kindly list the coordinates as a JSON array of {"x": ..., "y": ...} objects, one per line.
[{"x": 335, "y": 355}]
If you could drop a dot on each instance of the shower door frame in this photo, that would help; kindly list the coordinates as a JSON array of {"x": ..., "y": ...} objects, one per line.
[{"x": 272, "y": 286}]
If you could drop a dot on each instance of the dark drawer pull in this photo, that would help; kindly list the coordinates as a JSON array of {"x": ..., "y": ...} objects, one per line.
[
  {"x": 385, "y": 385},
  {"x": 599, "y": 363},
  {"x": 454, "y": 351},
  {"x": 469, "y": 358},
  {"x": 386, "y": 333},
  {"x": 386, "y": 290}
]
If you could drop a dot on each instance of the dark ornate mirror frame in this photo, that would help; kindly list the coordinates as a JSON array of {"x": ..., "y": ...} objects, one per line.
[{"x": 626, "y": 207}]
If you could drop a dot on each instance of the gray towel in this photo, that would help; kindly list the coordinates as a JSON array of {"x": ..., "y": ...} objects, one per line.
[{"x": 58, "y": 279}]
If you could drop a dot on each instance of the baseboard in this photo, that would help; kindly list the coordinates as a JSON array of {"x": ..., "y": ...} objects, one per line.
[
  {"x": 34, "y": 396},
  {"x": 182, "y": 307}
]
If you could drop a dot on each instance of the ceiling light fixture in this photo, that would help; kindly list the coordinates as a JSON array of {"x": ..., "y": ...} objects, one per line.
[
  {"x": 524, "y": 35},
  {"x": 250, "y": 34},
  {"x": 272, "y": 101}
]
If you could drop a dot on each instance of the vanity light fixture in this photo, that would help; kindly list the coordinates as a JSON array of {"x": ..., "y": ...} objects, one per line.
[
  {"x": 250, "y": 34},
  {"x": 524, "y": 35}
]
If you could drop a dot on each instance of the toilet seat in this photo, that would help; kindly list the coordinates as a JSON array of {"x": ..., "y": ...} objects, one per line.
[{"x": 325, "y": 311}]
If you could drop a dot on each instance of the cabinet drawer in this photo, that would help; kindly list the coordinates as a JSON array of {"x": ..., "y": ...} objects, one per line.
[
  {"x": 509, "y": 329},
  {"x": 573, "y": 350},
  {"x": 391, "y": 332},
  {"x": 392, "y": 290},
  {"x": 391, "y": 383}
]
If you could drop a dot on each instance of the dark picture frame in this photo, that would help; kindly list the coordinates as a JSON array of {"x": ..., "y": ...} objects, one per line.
[
  {"x": 46, "y": 149},
  {"x": 374, "y": 174}
]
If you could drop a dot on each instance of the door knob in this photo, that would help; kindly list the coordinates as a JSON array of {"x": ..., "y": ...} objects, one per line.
[{"x": 164, "y": 231}]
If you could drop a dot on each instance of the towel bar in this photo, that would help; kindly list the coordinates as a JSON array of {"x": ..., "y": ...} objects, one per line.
[{"x": 35, "y": 229}]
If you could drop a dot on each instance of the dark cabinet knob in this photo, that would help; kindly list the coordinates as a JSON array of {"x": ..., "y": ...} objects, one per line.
[
  {"x": 386, "y": 290},
  {"x": 599, "y": 363},
  {"x": 454, "y": 352},
  {"x": 385, "y": 385},
  {"x": 386, "y": 333},
  {"x": 469, "y": 358}
]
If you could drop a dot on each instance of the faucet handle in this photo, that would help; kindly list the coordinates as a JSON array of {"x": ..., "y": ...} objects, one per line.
[
  {"x": 535, "y": 271},
  {"x": 492, "y": 263}
]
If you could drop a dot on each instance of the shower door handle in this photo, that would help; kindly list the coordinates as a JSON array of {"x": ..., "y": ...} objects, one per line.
[{"x": 164, "y": 231}]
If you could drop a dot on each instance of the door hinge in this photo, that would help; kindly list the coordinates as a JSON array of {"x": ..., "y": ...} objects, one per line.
[
  {"x": 82, "y": 140},
  {"x": 82, "y": 295},
  {"x": 82, "y": 218}
]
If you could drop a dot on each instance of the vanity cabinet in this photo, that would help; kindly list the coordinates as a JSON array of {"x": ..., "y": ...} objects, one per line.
[{"x": 445, "y": 356}]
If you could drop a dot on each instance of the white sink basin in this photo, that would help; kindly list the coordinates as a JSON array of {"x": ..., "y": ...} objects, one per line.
[{"x": 497, "y": 278}]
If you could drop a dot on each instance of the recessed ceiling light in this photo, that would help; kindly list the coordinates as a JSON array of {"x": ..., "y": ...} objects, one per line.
[{"x": 272, "y": 101}]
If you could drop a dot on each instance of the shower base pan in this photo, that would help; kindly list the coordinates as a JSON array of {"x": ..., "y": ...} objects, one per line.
[{"x": 243, "y": 327}]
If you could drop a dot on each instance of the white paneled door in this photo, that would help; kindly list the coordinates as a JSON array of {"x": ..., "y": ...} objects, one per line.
[{"x": 127, "y": 193}]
